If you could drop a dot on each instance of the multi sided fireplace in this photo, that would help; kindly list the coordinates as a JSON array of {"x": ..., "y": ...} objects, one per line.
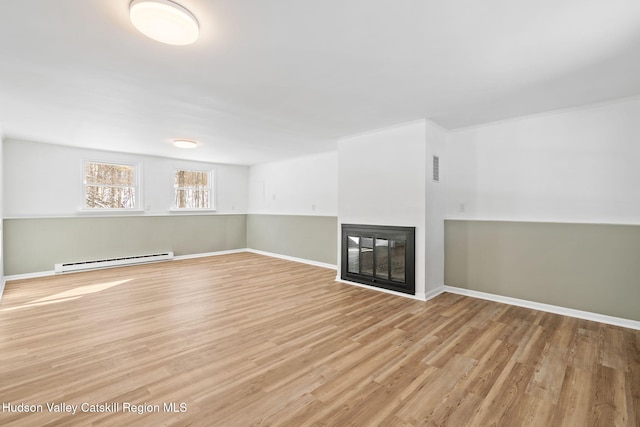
[{"x": 382, "y": 256}]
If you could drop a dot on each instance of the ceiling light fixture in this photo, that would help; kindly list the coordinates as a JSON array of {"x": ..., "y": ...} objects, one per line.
[
  {"x": 185, "y": 143},
  {"x": 164, "y": 21}
]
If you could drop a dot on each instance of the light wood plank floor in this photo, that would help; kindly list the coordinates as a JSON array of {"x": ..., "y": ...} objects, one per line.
[{"x": 246, "y": 340}]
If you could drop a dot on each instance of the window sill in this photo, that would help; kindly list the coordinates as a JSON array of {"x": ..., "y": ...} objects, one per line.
[
  {"x": 110, "y": 211},
  {"x": 178, "y": 210}
]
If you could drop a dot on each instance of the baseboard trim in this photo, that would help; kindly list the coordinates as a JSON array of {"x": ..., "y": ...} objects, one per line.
[
  {"x": 418, "y": 296},
  {"x": 30, "y": 275},
  {"x": 175, "y": 258},
  {"x": 586, "y": 315},
  {"x": 434, "y": 293},
  {"x": 38, "y": 274},
  {"x": 2, "y": 283},
  {"x": 294, "y": 259},
  {"x": 206, "y": 254}
]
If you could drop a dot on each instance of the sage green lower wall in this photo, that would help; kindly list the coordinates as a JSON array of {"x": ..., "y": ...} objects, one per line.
[
  {"x": 36, "y": 244},
  {"x": 33, "y": 245},
  {"x": 590, "y": 267},
  {"x": 313, "y": 238}
]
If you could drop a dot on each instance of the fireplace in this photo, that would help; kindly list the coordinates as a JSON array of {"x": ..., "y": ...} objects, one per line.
[{"x": 382, "y": 256}]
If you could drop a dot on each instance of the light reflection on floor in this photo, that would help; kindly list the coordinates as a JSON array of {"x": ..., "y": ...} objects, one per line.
[{"x": 68, "y": 295}]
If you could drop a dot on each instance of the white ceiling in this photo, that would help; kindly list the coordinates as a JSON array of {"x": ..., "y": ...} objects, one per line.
[{"x": 282, "y": 78}]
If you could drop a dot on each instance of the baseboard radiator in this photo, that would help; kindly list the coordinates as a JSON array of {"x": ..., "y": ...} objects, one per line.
[{"x": 112, "y": 262}]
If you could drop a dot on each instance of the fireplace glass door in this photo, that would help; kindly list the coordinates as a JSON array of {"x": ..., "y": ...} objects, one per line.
[{"x": 379, "y": 256}]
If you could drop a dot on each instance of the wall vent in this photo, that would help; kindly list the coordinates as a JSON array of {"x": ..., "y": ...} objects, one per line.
[
  {"x": 436, "y": 168},
  {"x": 112, "y": 262}
]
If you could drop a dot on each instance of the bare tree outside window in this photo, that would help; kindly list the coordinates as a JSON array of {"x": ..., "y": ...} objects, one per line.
[
  {"x": 192, "y": 189},
  {"x": 109, "y": 186}
]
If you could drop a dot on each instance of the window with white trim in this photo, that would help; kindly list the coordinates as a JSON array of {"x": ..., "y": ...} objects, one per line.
[
  {"x": 193, "y": 189},
  {"x": 110, "y": 185}
]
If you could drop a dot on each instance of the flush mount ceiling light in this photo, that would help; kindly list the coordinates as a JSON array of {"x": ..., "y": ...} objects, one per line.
[
  {"x": 164, "y": 21},
  {"x": 185, "y": 143}
]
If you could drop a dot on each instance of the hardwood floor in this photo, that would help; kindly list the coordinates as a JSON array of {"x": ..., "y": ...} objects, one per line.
[{"x": 244, "y": 340}]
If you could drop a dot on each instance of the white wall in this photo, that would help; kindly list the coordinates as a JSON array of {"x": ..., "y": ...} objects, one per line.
[
  {"x": 578, "y": 165},
  {"x": 46, "y": 180},
  {"x": 381, "y": 181},
  {"x": 301, "y": 186},
  {"x": 1, "y": 217}
]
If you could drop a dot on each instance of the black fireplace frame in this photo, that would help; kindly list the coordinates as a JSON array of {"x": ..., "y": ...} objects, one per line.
[{"x": 408, "y": 286}]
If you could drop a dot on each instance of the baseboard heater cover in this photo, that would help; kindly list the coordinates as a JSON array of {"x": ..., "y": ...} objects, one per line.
[{"x": 112, "y": 262}]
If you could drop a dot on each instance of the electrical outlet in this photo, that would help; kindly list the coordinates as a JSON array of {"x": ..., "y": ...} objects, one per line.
[{"x": 461, "y": 207}]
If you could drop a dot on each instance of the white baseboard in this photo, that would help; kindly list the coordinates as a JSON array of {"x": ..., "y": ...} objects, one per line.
[
  {"x": 417, "y": 296},
  {"x": 290, "y": 258},
  {"x": 29, "y": 275},
  {"x": 3, "y": 281},
  {"x": 586, "y": 315},
  {"x": 206, "y": 254},
  {"x": 434, "y": 293},
  {"x": 37, "y": 274}
]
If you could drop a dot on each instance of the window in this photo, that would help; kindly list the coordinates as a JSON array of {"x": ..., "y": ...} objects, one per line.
[
  {"x": 110, "y": 186},
  {"x": 193, "y": 190}
]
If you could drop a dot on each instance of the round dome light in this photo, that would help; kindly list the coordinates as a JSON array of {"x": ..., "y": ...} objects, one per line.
[
  {"x": 164, "y": 21},
  {"x": 185, "y": 143}
]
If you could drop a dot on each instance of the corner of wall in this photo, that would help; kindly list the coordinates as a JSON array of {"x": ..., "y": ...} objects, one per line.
[
  {"x": 432, "y": 293},
  {"x": 436, "y": 138},
  {"x": 2, "y": 279}
]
